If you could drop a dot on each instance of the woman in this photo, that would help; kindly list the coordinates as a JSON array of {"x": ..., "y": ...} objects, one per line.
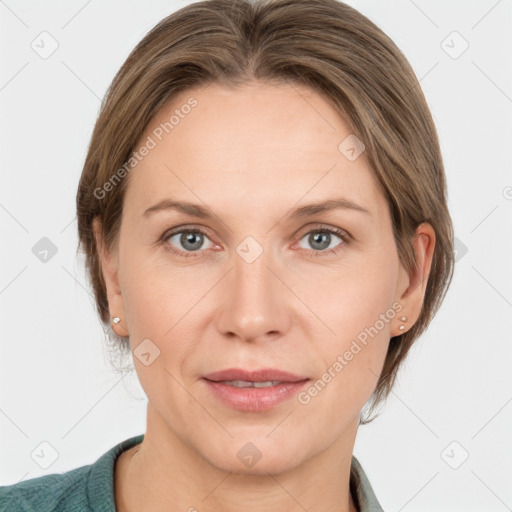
[{"x": 263, "y": 212}]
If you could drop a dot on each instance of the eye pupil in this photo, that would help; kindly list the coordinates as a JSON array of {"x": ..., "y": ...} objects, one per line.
[
  {"x": 188, "y": 238},
  {"x": 320, "y": 237}
]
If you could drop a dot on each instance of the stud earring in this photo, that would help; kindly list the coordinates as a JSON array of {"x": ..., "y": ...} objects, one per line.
[
  {"x": 116, "y": 320},
  {"x": 403, "y": 319}
]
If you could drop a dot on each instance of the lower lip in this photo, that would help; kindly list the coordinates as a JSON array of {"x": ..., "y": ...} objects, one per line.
[{"x": 255, "y": 399}]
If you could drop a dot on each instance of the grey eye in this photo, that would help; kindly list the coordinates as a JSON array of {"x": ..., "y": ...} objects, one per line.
[
  {"x": 189, "y": 240},
  {"x": 320, "y": 240}
]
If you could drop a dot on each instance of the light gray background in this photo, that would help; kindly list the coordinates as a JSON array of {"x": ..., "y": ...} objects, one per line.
[{"x": 56, "y": 382}]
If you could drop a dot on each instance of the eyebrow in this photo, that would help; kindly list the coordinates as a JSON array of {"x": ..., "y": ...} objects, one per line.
[{"x": 308, "y": 210}]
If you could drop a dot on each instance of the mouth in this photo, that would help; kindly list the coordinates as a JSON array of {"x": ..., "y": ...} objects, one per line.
[
  {"x": 256, "y": 390},
  {"x": 263, "y": 375},
  {"x": 250, "y": 384}
]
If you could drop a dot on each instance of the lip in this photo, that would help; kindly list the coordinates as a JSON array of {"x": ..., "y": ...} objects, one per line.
[
  {"x": 260, "y": 375},
  {"x": 254, "y": 399}
]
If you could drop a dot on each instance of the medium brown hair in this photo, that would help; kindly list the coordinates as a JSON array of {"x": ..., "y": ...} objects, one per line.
[{"x": 323, "y": 44}]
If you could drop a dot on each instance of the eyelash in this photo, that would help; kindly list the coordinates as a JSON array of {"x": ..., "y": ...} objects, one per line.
[{"x": 345, "y": 237}]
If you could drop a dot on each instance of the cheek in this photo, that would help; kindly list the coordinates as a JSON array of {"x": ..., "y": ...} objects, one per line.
[
  {"x": 360, "y": 300},
  {"x": 353, "y": 295},
  {"x": 155, "y": 293},
  {"x": 357, "y": 305},
  {"x": 161, "y": 304}
]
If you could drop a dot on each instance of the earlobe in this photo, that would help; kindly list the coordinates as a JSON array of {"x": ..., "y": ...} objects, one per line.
[{"x": 118, "y": 327}]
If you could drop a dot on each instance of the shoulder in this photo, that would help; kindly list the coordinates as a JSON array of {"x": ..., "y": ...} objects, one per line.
[
  {"x": 82, "y": 489},
  {"x": 59, "y": 491}
]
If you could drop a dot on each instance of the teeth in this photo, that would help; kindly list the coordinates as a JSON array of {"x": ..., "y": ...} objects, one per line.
[
  {"x": 266, "y": 384},
  {"x": 248, "y": 384}
]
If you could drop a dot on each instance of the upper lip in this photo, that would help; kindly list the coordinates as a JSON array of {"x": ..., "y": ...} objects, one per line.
[{"x": 260, "y": 375}]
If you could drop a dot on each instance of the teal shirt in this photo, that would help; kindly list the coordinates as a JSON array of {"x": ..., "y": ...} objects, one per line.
[{"x": 91, "y": 488}]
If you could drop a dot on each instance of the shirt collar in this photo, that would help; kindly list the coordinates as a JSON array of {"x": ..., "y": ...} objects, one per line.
[{"x": 361, "y": 489}]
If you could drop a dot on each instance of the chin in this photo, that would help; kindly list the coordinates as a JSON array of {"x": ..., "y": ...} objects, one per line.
[
  {"x": 254, "y": 456},
  {"x": 275, "y": 465}
]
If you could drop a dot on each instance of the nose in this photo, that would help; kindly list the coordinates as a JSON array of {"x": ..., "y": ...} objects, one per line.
[{"x": 254, "y": 304}]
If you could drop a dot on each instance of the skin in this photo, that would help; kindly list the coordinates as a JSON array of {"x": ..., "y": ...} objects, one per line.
[{"x": 250, "y": 155}]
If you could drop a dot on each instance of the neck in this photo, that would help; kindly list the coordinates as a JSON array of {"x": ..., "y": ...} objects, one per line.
[{"x": 163, "y": 473}]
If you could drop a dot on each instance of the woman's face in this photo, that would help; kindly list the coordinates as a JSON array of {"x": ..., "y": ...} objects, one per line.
[{"x": 257, "y": 281}]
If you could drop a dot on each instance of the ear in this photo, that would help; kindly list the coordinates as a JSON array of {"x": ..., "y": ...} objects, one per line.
[
  {"x": 412, "y": 286},
  {"x": 109, "y": 268}
]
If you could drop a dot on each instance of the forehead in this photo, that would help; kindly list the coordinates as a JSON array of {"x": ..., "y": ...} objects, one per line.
[
  {"x": 253, "y": 118},
  {"x": 258, "y": 141}
]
